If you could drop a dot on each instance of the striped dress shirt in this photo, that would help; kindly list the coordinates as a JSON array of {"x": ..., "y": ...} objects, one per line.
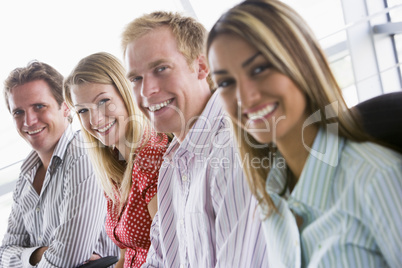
[
  {"x": 68, "y": 216},
  {"x": 206, "y": 212},
  {"x": 349, "y": 197}
]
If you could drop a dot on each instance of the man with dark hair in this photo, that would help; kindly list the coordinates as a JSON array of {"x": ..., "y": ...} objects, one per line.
[{"x": 58, "y": 214}]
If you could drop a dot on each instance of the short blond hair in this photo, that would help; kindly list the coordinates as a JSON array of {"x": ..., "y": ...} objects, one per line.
[{"x": 190, "y": 34}]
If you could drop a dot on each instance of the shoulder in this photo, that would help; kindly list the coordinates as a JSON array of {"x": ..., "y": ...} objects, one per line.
[
  {"x": 77, "y": 147},
  {"x": 372, "y": 179},
  {"x": 370, "y": 166},
  {"x": 76, "y": 162},
  {"x": 371, "y": 156},
  {"x": 155, "y": 147},
  {"x": 150, "y": 156}
]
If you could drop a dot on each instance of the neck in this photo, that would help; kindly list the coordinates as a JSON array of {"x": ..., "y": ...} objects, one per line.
[
  {"x": 203, "y": 100},
  {"x": 294, "y": 146},
  {"x": 124, "y": 151},
  {"x": 46, "y": 157},
  {"x": 45, "y": 162}
]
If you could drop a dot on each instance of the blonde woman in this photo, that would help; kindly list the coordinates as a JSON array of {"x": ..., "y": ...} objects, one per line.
[
  {"x": 124, "y": 149},
  {"x": 328, "y": 196}
]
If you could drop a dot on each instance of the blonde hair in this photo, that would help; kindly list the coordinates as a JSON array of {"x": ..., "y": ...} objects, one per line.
[
  {"x": 189, "y": 33},
  {"x": 114, "y": 174},
  {"x": 286, "y": 41}
]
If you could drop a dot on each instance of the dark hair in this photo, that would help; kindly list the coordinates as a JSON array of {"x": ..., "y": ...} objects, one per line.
[{"x": 35, "y": 70}]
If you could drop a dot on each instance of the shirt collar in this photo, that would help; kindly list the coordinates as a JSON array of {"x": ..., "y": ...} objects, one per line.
[
  {"x": 198, "y": 139},
  {"x": 276, "y": 181},
  {"x": 315, "y": 183},
  {"x": 317, "y": 173},
  {"x": 58, "y": 153},
  {"x": 64, "y": 141}
]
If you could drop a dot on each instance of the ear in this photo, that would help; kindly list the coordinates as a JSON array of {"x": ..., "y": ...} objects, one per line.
[
  {"x": 66, "y": 109},
  {"x": 203, "y": 68}
]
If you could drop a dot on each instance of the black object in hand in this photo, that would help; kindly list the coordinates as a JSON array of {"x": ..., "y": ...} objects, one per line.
[{"x": 101, "y": 263}]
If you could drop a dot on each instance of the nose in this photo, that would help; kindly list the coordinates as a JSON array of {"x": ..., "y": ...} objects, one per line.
[
  {"x": 247, "y": 93},
  {"x": 95, "y": 116},
  {"x": 30, "y": 118},
  {"x": 149, "y": 87}
]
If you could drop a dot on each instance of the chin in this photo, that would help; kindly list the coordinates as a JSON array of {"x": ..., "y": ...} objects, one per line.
[{"x": 263, "y": 139}]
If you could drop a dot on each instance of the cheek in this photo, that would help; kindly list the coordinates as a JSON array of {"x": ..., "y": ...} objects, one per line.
[
  {"x": 230, "y": 104},
  {"x": 85, "y": 123},
  {"x": 136, "y": 93},
  {"x": 19, "y": 124},
  {"x": 299, "y": 107}
]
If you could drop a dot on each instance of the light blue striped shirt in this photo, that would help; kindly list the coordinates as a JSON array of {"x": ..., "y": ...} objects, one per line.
[
  {"x": 68, "y": 216},
  {"x": 206, "y": 212},
  {"x": 349, "y": 196}
]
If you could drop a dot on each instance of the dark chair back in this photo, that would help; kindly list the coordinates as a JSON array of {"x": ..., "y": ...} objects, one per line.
[{"x": 382, "y": 118}]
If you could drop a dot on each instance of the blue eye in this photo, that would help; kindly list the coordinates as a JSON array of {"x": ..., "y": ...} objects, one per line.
[
  {"x": 160, "y": 69},
  {"x": 103, "y": 101},
  {"x": 18, "y": 112},
  {"x": 135, "y": 79},
  {"x": 225, "y": 83},
  {"x": 39, "y": 106},
  {"x": 260, "y": 69},
  {"x": 81, "y": 111}
]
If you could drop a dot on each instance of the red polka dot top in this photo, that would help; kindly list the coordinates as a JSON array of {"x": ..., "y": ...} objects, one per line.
[{"x": 131, "y": 228}]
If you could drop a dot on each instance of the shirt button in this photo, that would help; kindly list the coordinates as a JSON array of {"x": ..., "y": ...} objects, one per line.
[
  {"x": 296, "y": 243},
  {"x": 184, "y": 178},
  {"x": 37, "y": 209},
  {"x": 40, "y": 238},
  {"x": 181, "y": 266},
  {"x": 181, "y": 221}
]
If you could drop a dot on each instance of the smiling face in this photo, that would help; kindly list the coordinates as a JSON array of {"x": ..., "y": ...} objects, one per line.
[
  {"x": 266, "y": 103},
  {"x": 37, "y": 116},
  {"x": 167, "y": 90},
  {"x": 102, "y": 111}
]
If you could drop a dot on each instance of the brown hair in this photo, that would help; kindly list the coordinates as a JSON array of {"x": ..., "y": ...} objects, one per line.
[
  {"x": 35, "y": 70},
  {"x": 286, "y": 41}
]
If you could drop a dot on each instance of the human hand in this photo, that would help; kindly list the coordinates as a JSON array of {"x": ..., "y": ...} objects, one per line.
[
  {"x": 94, "y": 257},
  {"x": 36, "y": 256},
  {"x": 120, "y": 263}
]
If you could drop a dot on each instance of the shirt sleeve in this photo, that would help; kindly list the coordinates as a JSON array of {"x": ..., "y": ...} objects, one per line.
[
  {"x": 146, "y": 170},
  {"x": 382, "y": 206},
  {"x": 15, "y": 243},
  {"x": 82, "y": 217},
  {"x": 154, "y": 257}
]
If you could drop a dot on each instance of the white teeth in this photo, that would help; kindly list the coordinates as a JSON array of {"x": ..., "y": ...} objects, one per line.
[
  {"x": 261, "y": 113},
  {"x": 35, "y": 131},
  {"x": 159, "y": 106},
  {"x": 107, "y": 127}
]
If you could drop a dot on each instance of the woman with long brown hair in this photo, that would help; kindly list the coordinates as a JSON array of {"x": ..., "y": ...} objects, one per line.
[{"x": 329, "y": 195}]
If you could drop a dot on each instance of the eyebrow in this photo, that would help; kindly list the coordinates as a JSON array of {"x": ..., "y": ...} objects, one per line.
[
  {"x": 93, "y": 100},
  {"x": 243, "y": 65},
  {"x": 150, "y": 66},
  {"x": 14, "y": 110},
  {"x": 250, "y": 60},
  {"x": 33, "y": 104}
]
